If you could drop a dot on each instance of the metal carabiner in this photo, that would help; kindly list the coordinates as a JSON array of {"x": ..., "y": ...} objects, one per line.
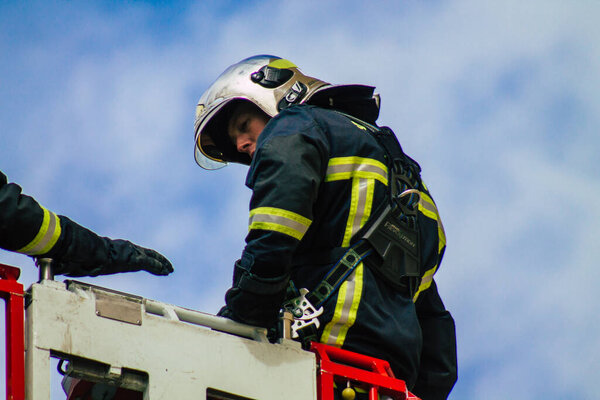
[
  {"x": 410, "y": 191},
  {"x": 409, "y": 204}
]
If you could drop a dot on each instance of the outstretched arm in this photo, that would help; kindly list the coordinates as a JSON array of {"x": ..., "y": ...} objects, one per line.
[{"x": 29, "y": 228}]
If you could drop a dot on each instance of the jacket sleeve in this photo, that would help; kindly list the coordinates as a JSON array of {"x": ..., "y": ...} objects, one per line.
[
  {"x": 25, "y": 226},
  {"x": 438, "y": 368},
  {"x": 284, "y": 176}
]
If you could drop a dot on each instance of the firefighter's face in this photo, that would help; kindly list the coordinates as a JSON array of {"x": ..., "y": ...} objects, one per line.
[{"x": 245, "y": 125}]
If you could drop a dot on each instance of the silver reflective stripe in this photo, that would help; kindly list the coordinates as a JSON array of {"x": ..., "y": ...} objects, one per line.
[
  {"x": 361, "y": 204},
  {"x": 429, "y": 209},
  {"x": 425, "y": 282},
  {"x": 345, "y": 310},
  {"x": 350, "y": 292},
  {"x": 276, "y": 219},
  {"x": 427, "y": 204},
  {"x": 340, "y": 168},
  {"x": 279, "y": 220},
  {"x": 336, "y": 169},
  {"x": 46, "y": 237}
]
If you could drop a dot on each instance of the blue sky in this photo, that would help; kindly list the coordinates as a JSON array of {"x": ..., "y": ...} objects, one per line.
[{"x": 498, "y": 101}]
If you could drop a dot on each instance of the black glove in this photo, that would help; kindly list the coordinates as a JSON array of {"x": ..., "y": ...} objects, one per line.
[
  {"x": 225, "y": 312},
  {"x": 115, "y": 256},
  {"x": 254, "y": 300},
  {"x": 126, "y": 256},
  {"x": 83, "y": 253}
]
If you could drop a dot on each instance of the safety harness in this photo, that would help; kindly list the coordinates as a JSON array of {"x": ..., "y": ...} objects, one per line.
[{"x": 389, "y": 243}]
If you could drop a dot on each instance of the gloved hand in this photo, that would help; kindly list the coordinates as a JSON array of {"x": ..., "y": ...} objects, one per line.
[
  {"x": 83, "y": 253},
  {"x": 119, "y": 256},
  {"x": 226, "y": 312},
  {"x": 126, "y": 256},
  {"x": 251, "y": 309},
  {"x": 252, "y": 299}
]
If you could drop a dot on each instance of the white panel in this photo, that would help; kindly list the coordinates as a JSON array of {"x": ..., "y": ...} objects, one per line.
[{"x": 182, "y": 359}]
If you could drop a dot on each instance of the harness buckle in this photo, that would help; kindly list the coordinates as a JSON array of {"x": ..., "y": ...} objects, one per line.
[{"x": 303, "y": 312}]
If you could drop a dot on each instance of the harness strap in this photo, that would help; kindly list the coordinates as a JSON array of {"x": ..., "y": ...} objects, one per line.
[
  {"x": 338, "y": 273},
  {"x": 307, "y": 329},
  {"x": 324, "y": 257}
]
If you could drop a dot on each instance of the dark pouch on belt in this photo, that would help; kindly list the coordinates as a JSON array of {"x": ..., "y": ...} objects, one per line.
[{"x": 396, "y": 241}]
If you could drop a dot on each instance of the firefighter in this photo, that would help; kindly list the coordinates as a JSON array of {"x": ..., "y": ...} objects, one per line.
[
  {"x": 320, "y": 179},
  {"x": 28, "y": 228}
]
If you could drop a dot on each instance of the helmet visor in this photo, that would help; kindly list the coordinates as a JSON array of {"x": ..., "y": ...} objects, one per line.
[
  {"x": 207, "y": 155},
  {"x": 214, "y": 148}
]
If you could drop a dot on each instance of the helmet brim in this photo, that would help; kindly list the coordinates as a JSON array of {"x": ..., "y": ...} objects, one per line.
[{"x": 214, "y": 148}]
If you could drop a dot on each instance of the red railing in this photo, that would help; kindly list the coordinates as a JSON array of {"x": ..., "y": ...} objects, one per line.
[
  {"x": 12, "y": 293},
  {"x": 357, "y": 371}
]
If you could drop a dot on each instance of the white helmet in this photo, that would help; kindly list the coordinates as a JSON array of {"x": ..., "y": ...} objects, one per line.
[{"x": 272, "y": 84}]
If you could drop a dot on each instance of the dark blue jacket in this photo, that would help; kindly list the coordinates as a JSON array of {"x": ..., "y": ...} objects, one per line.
[
  {"x": 317, "y": 177},
  {"x": 26, "y": 226}
]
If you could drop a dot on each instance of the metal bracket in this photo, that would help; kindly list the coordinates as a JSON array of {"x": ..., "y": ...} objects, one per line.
[
  {"x": 108, "y": 376},
  {"x": 118, "y": 307},
  {"x": 112, "y": 304}
]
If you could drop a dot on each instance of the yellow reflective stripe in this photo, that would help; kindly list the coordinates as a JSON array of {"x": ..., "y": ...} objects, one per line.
[
  {"x": 280, "y": 212},
  {"x": 351, "y": 214},
  {"x": 441, "y": 236},
  {"x": 279, "y": 220},
  {"x": 429, "y": 209},
  {"x": 46, "y": 237},
  {"x": 346, "y": 309},
  {"x": 427, "y": 206},
  {"x": 363, "y": 172},
  {"x": 349, "y": 294},
  {"x": 361, "y": 203},
  {"x": 357, "y": 160},
  {"x": 359, "y": 125},
  {"x": 282, "y": 63},
  {"x": 425, "y": 282},
  {"x": 340, "y": 168}
]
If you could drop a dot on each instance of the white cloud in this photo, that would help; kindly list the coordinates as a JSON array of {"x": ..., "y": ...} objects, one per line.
[{"x": 498, "y": 101}]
